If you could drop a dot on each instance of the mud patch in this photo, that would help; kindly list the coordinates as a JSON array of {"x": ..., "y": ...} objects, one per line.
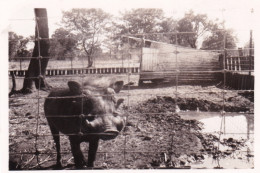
[
  {"x": 155, "y": 137},
  {"x": 248, "y": 94},
  {"x": 183, "y": 142},
  {"x": 162, "y": 104}
]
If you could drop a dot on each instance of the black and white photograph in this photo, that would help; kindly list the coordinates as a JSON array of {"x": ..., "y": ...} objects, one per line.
[{"x": 128, "y": 85}]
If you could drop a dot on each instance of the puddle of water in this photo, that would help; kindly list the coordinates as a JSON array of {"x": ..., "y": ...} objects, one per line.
[
  {"x": 226, "y": 163},
  {"x": 232, "y": 125}
]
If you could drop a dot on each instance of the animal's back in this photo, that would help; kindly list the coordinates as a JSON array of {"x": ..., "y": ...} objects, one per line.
[{"x": 61, "y": 109}]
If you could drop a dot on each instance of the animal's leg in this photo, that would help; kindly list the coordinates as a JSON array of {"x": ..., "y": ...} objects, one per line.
[
  {"x": 56, "y": 137},
  {"x": 93, "y": 146},
  {"x": 76, "y": 152}
]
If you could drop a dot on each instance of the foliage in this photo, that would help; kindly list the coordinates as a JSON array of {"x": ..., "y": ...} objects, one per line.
[
  {"x": 92, "y": 31},
  {"x": 63, "y": 44},
  {"x": 216, "y": 40},
  {"x": 247, "y": 44},
  {"x": 218, "y": 36},
  {"x": 196, "y": 23},
  {"x": 90, "y": 26},
  {"x": 141, "y": 21},
  {"x": 18, "y": 45},
  {"x": 169, "y": 25},
  {"x": 138, "y": 21}
]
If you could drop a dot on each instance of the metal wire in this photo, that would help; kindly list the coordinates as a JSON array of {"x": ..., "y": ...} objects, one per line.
[
  {"x": 128, "y": 134},
  {"x": 104, "y": 152},
  {"x": 38, "y": 91},
  {"x": 133, "y": 113},
  {"x": 142, "y": 94},
  {"x": 175, "y": 93}
]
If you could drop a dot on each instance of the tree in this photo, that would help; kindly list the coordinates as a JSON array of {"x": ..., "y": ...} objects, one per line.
[
  {"x": 169, "y": 25},
  {"x": 13, "y": 44},
  {"x": 24, "y": 53},
  {"x": 63, "y": 44},
  {"x": 37, "y": 66},
  {"x": 18, "y": 45},
  {"x": 114, "y": 42},
  {"x": 137, "y": 21},
  {"x": 216, "y": 40},
  {"x": 90, "y": 25},
  {"x": 250, "y": 46},
  {"x": 217, "y": 36},
  {"x": 199, "y": 24},
  {"x": 247, "y": 45},
  {"x": 141, "y": 21}
]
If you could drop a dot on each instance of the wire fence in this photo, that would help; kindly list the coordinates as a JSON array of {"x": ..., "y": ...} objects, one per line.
[{"x": 155, "y": 136}]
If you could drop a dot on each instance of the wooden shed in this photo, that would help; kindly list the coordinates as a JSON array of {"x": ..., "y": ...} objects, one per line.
[{"x": 161, "y": 61}]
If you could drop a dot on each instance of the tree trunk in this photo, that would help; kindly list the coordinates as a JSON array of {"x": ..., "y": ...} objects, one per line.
[
  {"x": 90, "y": 61},
  {"x": 37, "y": 67},
  {"x": 89, "y": 54}
]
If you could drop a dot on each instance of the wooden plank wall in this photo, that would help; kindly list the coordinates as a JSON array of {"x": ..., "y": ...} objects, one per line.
[
  {"x": 187, "y": 59},
  {"x": 186, "y": 65}
]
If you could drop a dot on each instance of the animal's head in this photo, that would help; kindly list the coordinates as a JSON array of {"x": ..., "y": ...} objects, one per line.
[{"x": 100, "y": 104}]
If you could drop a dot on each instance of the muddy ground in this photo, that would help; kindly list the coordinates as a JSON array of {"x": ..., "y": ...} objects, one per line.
[{"x": 154, "y": 137}]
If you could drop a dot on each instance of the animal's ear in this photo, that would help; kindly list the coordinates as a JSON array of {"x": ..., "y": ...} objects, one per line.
[
  {"x": 117, "y": 86},
  {"x": 75, "y": 87}
]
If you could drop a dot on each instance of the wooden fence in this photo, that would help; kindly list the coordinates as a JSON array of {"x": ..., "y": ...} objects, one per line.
[
  {"x": 239, "y": 72},
  {"x": 53, "y": 72},
  {"x": 240, "y": 63}
]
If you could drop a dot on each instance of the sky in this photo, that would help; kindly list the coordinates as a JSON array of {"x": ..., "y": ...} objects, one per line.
[{"x": 236, "y": 13}]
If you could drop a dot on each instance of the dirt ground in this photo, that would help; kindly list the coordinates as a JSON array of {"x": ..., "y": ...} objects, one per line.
[{"x": 155, "y": 135}]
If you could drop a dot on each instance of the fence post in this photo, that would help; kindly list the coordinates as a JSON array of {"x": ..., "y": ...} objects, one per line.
[
  {"x": 224, "y": 58},
  {"x": 20, "y": 63},
  {"x": 71, "y": 63}
]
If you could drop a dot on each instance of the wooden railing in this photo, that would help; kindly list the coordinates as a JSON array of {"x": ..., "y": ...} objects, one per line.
[
  {"x": 240, "y": 63},
  {"x": 76, "y": 71}
]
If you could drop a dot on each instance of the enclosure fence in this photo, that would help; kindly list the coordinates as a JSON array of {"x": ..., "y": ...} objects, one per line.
[{"x": 181, "y": 70}]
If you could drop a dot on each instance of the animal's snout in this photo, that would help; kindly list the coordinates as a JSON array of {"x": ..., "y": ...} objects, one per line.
[
  {"x": 109, "y": 134},
  {"x": 108, "y": 126},
  {"x": 113, "y": 125},
  {"x": 112, "y": 132}
]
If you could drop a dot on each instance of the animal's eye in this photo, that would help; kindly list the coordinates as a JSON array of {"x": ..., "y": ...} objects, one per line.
[
  {"x": 110, "y": 91},
  {"x": 86, "y": 92},
  {"x": 115, "y": 113}
]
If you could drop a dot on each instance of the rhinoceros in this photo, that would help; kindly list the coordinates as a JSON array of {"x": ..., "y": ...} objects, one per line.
[{"x": 86, "y": 113}]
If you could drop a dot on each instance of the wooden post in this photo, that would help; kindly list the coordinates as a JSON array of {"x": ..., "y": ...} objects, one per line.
[
  {"x": 231, "y": 63},
  {"x": 235, "y": 63},
  {"x": 224, "y": 59},
  {"x": 250, "y": 53},
  {"x": 122, "y": 57},
  {"x": 240, "y": 54},
  {"x": 227, "y": 62},
  {"x": 250, "y": 44},
  {"x": 140, "y": 82},
  {"x": 20, "y": 63},
  {"x": 71, "y": 66}
]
